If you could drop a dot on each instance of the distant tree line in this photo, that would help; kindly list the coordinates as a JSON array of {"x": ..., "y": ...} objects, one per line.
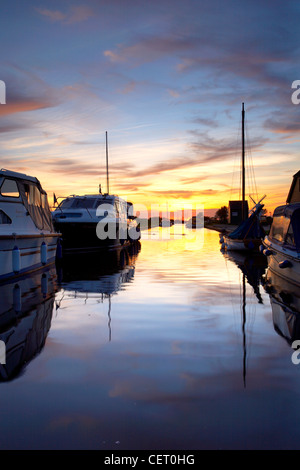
[{"x": 222, "y": 215}]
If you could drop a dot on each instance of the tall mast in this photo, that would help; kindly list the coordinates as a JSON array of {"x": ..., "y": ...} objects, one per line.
[
  {"x": 107, "y": 182},
  {"x": 243, "y": 163}
]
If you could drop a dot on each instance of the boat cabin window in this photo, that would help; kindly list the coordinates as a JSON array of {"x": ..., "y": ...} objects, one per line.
[
  {"x": 290, "y": 239},
  {"x": 33, "y": 195},
  {"x": 83, "y": 203},
  {"x": 9, "y": 188},
  {"x": 279, "y": 229},
  {"x": 100, "y": 202},
  {"x": 4, "y": 219},
  {"x": 66, "y": 203}
]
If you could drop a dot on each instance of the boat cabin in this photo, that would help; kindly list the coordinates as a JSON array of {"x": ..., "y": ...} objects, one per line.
[
  {"x": 89, "y": 206},
  {"x": 285, "y": 227},
  {"x": 294, "y": 193},
  {"x": 18, "y": 189}
]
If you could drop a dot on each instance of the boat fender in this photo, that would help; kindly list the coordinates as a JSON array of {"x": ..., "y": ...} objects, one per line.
[
  {"x": 16, "y": 259},
  {"x": 267, "y": 252},
  {"x": 43, "y": 253},
  {"x": 285, "y": 264},
  {"x": 261, "y": 248},
  {"x": 269, "y": 289}
]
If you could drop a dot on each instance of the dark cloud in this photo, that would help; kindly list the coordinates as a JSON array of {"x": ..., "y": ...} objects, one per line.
[
  {"x": 212, "y": 149},
  {"x": 167, "y": 165},
  {"x": 284, "y": 121}
]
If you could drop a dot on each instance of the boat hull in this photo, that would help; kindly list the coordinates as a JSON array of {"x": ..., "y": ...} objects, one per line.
[
  {"x": 282, "y": 261},
  {"x": 241, "y": 245},
  {"x": 24, "y": 253},
  {"x": 83, "y": 237}
]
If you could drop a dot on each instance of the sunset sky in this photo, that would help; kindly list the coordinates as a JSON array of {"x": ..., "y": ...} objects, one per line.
[{"x": 166, "y": 79}]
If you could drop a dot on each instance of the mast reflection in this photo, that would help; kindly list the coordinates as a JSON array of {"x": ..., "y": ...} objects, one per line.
[
  {"x": 253, "y": 267},
  {"x": 97, "y": 275}
]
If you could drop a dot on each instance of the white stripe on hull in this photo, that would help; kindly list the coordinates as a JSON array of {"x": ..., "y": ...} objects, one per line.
[{"x": 29, "y": 256}]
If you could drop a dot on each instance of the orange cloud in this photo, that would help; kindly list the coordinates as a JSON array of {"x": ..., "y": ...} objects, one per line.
[{"x": 22, "y": 106}]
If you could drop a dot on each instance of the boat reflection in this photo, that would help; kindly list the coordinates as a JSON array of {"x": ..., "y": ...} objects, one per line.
[
  {"x": 253, "y": 268},
  {"x": 97, "y": 276},
  {"x": 25, "y": 318},
  {"x": 285, "y": 303}
]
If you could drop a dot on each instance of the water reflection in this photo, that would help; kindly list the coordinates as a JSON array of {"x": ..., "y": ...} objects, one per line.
[
  {"x": 25, "y": 319},
  {"x": 253, "y": 268},
  {"x": 285, "y": 303},
  {"x": 192, "y": 342},
  {"x": 97, "y": 276}
]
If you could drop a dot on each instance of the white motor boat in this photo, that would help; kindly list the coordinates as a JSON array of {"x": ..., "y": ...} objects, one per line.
[
  {"x": 282, "y": 245},
  {"x": 28, "y": 240},
  {"x": 95, "y": 221},
  {"x": 91, "y": 222}
]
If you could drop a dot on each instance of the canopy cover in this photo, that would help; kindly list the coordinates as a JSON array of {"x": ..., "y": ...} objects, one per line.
[{"x": 250, "y": 228}]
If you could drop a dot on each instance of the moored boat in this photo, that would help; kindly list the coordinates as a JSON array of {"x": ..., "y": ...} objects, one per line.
[
  {"x": 92, "y": 222},
  {"x": 249, "y": 234},
  {"x": 28, "y": 240},
  {"x": 282, "y": 245}
]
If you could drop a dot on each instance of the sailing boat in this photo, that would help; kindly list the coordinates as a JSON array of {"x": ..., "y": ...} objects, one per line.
[{"x": 249, "y": 234}]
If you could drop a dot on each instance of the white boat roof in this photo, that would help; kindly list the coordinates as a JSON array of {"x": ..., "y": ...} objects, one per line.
[
  {"x": 99, "y": 195},
  {"x": 14, "y": 174}
]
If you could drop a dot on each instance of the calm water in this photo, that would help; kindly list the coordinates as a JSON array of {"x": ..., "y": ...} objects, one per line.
[{"x": 172, "y": 346}]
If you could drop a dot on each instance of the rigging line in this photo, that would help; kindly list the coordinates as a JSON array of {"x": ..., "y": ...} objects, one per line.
[
  {"x": 252, "y": 180},
  {"x": 236, "y": 162}
]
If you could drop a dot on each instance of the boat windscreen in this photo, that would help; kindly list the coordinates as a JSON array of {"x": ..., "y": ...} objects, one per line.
[
  {"x": 83, "y": 203},
  {"x": 279, "y": 228},
  {"x": 286, "y": 228}
]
